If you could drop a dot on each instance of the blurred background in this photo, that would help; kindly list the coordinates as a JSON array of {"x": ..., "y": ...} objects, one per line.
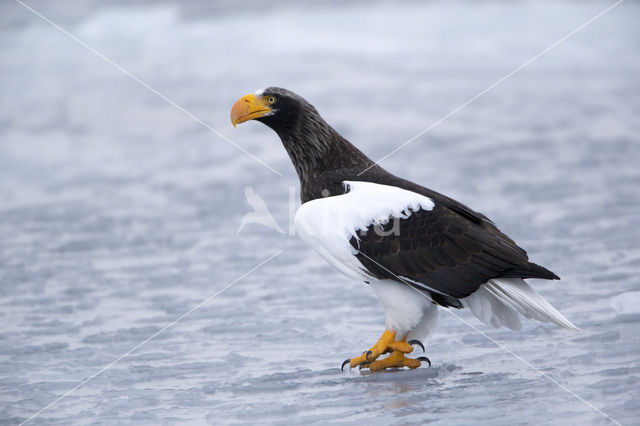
[{"x": 119, "y": 209}]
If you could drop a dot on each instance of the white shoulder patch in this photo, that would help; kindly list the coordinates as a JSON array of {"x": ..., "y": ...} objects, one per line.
[{"x": 327, "y": 224}]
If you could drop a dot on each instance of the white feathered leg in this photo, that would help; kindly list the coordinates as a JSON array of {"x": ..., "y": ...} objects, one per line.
[{"x": 405, "y": 310}]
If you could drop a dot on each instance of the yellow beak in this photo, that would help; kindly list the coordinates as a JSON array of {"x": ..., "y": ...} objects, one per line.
[{"x": 247, "y": 108}]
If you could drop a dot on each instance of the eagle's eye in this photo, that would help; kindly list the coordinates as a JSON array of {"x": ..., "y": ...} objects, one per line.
[{"x": 271, "y": 99}]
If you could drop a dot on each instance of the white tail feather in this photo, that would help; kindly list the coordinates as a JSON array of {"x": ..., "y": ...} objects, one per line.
[{"x": 499, "y": 301}]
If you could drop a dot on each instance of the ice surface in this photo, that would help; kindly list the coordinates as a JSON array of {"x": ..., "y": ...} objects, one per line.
[
  {"x": 627, "y": 303},
  {"x": 118, "y": 213}
]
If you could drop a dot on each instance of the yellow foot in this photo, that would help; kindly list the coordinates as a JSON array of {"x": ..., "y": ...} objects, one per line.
[
  {"x": 396, "y": 360},
  {"x": 385, "y": 344}
]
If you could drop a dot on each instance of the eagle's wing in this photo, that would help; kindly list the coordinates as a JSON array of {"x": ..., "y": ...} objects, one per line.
[
  {"x": 328, "y": 224},
  {"x": 442, "y": 252},
  {"x": 386, "y": 232}
]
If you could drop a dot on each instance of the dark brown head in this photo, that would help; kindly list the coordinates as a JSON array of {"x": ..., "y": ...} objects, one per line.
[{"x": 282, "y": 110}]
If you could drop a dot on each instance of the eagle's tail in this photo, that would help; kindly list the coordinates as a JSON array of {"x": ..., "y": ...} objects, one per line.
[{"x": 499, "y": 301}]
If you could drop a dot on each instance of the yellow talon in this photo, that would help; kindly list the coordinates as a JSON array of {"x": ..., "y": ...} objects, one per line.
[{"x": 385, "y": 344}]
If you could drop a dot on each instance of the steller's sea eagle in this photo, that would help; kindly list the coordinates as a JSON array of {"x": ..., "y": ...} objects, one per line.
[{"x": 417, "y": 248}]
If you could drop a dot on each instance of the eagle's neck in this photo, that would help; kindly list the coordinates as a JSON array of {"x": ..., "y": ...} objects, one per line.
[{"x": 315, "y": 149}]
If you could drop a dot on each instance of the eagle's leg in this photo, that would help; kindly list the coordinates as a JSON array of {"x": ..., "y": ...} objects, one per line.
[{"x": 386, "y": 343}]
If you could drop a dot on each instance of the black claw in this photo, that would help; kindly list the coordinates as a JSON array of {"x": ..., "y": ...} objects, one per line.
[
  {"x": 424, "y": 358},
  {"x": 416, "y": 342},
  {"x": 346, "y": 361},
  {"x": 366, "y": 358}
]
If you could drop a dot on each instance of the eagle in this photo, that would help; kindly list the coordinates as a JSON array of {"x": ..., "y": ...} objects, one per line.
[{"x": 418, "y": 249}]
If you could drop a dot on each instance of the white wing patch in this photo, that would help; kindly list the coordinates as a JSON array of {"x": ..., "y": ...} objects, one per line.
[{"x": 327, "y": 224}]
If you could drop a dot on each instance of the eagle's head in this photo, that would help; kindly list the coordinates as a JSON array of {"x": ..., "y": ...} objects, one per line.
[{"x": 278, "y": 108}]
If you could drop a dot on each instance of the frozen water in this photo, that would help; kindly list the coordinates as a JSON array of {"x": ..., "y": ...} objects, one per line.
[
  {"x": 118, "y": 212},
  {"x": 627, "y": 303}
]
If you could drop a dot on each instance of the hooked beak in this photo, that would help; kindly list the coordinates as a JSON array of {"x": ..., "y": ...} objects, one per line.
[{"x": 247, "y": 108}]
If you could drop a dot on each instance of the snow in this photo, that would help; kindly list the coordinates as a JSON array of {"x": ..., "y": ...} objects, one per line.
[{"x": 118, "y": 212}]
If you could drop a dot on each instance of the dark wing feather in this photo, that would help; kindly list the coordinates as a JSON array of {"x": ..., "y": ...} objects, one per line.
[{"x": 443, "y": 252}]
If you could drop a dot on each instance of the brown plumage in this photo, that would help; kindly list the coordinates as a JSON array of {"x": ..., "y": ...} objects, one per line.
[{"x": 451, "y": 249}]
